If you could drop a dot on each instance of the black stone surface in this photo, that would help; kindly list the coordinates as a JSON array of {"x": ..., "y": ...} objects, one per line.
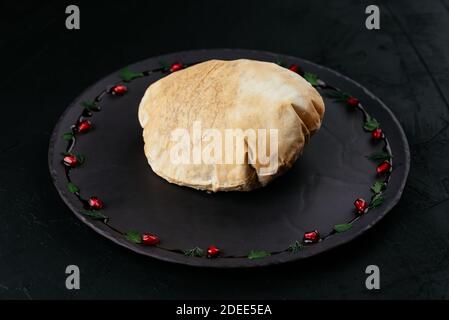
[{"x": 45, "y": 66}]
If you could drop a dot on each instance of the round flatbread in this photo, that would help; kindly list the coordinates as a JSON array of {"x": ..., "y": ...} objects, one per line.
[{"x": 228, "y": 125}]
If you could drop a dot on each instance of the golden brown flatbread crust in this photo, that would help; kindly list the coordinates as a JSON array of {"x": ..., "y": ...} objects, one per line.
[{"x": 240, "y": 94}]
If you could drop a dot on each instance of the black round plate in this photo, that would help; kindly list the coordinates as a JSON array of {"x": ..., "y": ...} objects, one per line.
[{"x": 316, "y": 194}]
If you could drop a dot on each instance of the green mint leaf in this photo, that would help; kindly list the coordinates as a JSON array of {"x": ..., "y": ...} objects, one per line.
[
  {"x": 377, "y": 187},
  {"x": 198, "y": 252},
  {"x": 164, "y": 65},
  {"x": 311, "y": 78},
  {"x": 72, "y": 187},
  {"x": 128, "y": 75},
  {"x": 342, "y": 227},
  {"x": 377, "y": 200},
  {"x": 380, "y": 156},
  {"x": 281, "y": 63},
  {"x": 96, "y": 215},
  {"x": 334, "y": 94},
  {"x": 90, "y": 105},
  {"x": 195, "y": 252},
  {"x": 68, "y": 136},
  {"x": 133, "y": 236},
  {"x": 338, "y": 95},
  {"x": 345, "y": 96},
  {"x": 258, "y": 254},
  {"x": 370, "y": 124},
  {"x": 81, "y": 158},
  {"x": 295, "y": 247}
]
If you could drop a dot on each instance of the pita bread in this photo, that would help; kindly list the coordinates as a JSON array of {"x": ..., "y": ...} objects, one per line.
[{"x": 228, "y": 95}]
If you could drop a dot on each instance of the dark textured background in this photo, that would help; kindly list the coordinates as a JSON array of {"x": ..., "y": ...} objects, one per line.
[{"x": 44, "y": 67}]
